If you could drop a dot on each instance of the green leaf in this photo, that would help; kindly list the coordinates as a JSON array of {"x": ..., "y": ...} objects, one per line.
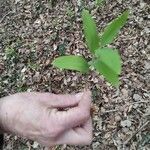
[
  {"x": 108, "y": 63},
  {"x": 90, "y": 31},
  {"x": 111, "y": 31},
  {"x": 71, "y": 62}
]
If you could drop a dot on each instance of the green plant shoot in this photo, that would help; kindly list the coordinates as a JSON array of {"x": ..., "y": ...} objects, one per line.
[
  {"x": 105, "y": 60},
  {"x": 111, "y": 31},
  {"x": 98, "y": 2},
  {"x": 108, "y": 63},
  {"x": 90, "y": 31}
]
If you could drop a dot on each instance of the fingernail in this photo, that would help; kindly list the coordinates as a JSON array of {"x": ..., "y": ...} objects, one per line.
[{"x": 79, "y": 95}]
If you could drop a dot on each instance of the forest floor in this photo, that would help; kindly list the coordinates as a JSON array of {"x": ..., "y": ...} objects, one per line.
[{"x": 33, "y": 33}]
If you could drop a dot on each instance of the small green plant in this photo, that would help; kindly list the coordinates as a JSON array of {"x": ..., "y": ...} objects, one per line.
[
  {"x": 106, "y": 61},
  {"x": 98, "y": 2},
  {"x": 10, "y": 52}
]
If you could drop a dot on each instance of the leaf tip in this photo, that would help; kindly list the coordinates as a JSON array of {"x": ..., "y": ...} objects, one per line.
[{"x": 126, "y": 13}]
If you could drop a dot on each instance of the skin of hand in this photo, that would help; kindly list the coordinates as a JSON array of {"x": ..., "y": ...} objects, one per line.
[{"x": 48, "y": 118}]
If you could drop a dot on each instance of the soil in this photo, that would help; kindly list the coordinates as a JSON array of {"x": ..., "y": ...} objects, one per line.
[{"x": 33, "y": 33}]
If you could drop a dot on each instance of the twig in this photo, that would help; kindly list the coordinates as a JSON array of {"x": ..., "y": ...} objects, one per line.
[
  {"x": 140, "y": 102},
  {"x": 138, "y": 130},
  {"x": 11, "y": 12},
  {"x": 110, "y": 111},
  {"x": 49, "y": 148}
]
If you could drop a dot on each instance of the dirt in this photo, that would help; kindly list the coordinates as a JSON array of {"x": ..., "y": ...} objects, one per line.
[{"x": 33, "y": 33}]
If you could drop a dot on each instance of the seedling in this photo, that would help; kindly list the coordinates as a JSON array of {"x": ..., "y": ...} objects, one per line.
[
  {"x": 98, "y": 2},
  {"x": 10, "y": 52},
  {"x": 106, "y": 61}
]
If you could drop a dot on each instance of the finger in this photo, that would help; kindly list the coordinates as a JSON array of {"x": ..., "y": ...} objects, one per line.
[
  {"x": 78, "y": 136},
  {"x": 57, "y": 101},
  {"x": 88, "y": 127},
  {"x": 62, "y": 101},
  {"x": 77, "y": 115}
]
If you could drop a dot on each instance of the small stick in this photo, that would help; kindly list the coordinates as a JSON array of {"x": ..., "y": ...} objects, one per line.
[
  {"x": 11, "y": 12},
  {"x": 110, "y": 111},
  {"x": 138, "y": 130},
  {"x": 139, "y": 102}
]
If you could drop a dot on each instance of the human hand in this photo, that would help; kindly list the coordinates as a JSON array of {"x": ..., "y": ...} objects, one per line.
[{"x": 43, "y": 117}]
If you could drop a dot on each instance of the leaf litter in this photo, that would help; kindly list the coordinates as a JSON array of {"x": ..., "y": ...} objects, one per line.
[{"x": 34, "y": 30}]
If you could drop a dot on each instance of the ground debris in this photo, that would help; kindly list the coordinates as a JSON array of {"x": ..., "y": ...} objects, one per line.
[{"x": 33, "y": 33}]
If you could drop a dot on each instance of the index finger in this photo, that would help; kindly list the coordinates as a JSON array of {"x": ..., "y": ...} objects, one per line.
[{"x": 77, "y": 115}]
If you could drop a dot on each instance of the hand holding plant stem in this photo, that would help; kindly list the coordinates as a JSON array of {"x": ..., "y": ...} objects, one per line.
[
  {"x": 43, "y": 117},
  {"x": 105, "y": 60}
]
